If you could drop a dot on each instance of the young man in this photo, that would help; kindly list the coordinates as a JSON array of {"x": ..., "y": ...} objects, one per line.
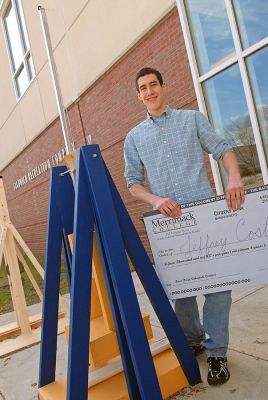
[{"x": 169, "y": 145}]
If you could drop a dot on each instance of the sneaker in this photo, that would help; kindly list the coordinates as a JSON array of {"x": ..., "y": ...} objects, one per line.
[
  {"x": 217, "y": 370},
  {"x": 198, "y": 349}
]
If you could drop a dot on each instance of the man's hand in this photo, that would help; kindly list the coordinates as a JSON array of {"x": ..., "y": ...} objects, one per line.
[
  {"x": 235, "y": 193},
  {"x": 167, "y": 206}
]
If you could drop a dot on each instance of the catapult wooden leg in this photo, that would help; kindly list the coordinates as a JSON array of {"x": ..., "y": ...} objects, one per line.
[
  {"x": 7, "y": 246},
  {"x": 29, "y": 274},
  {"x": 2, "y": 243},
  {"x": 24, "y": 331},
  {"x": 18, "y": 296},
  {"x": 26, "y": 250}
]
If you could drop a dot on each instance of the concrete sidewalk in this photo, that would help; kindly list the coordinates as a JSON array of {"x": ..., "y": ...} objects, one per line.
[{"x": 247, "y": 356}]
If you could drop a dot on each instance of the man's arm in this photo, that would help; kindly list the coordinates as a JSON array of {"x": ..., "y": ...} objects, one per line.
[
  {"x": 235, "y": 194},
  {"x": 165, "y": 205},
  {"x": 216, "y": 145},
  {"x": 134, "y": 174}
]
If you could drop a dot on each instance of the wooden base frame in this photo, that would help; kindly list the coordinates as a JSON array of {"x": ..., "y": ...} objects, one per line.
[{"x": 13, "y": 249}]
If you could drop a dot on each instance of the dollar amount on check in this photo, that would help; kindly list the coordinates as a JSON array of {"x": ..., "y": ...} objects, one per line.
[{"x": 210, "y": 248}]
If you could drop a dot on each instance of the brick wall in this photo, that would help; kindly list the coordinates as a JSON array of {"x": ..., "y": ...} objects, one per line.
[
  {"x": 107, "y": 111},
  {"x": 28, "y": 205}
]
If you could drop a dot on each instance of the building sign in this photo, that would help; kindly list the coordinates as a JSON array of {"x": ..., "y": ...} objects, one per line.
[{"x": 53, "y": 161}]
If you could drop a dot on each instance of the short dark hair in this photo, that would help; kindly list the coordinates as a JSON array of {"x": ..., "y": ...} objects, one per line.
[{"x": 147, "y": 71}]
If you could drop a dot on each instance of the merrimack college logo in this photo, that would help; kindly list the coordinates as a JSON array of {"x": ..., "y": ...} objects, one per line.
[{"x": 164, "y": 224}]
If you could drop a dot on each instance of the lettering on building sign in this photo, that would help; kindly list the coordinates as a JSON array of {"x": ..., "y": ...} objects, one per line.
[{"x": 53, "y": 161}]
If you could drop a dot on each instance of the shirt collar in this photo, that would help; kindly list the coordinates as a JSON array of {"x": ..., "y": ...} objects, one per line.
[{"x": 165, "y": 113}]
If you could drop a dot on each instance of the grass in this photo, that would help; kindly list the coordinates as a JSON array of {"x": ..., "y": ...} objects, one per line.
[
  {"x": 30, "y": 294},
  {"x": 6, "y": 304}
]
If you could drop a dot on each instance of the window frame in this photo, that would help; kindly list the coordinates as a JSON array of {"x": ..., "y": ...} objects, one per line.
[
  {"x": 24, "y": 64},
  {"x": 240, "y": 59}
]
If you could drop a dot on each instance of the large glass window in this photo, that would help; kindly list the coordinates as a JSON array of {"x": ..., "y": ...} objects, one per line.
[
  {"x": 230, "y": 49},
  {"x": 252, "y": 17},
  {"x": 211, "y": 32},
  {"x": 18, "y": 47},
  {"x": 229, "y": 115},
  {"x": 258, "y": 66}
]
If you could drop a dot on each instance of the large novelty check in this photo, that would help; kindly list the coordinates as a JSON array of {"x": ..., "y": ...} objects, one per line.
[{"x": 210, "y": 248}]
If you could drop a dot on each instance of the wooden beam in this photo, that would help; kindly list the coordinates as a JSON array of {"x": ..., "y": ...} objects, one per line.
[
  {"x": 13, "y": 330},
  {"x": 14, "y": 277},
  {"x": 2, "y": 242},
  {"x": 11, "y": 246},
  {"x": 19, "y": 300},
  {"x": 100, "y": 284},
  {"x": 101, "y": 287},
  {"x": 12, "y": 294},
  {"x": 4, "y": 214},
  {"x": 14, "y": 344},
  {"x": 29, "y": 274},
  {"x": 26, "y": 250},
  {"x": 70, "y": 161}
]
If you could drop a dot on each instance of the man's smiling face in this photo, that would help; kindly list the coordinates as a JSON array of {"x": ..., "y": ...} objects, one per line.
[{"x": 152, "y": 94}]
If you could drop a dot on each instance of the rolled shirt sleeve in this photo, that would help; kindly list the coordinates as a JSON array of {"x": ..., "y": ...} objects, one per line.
[
  {"x": 211, "y": 141},
  {"x": 134, "y": 168}
]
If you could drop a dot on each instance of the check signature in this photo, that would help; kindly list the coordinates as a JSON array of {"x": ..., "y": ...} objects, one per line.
[
  {"x": 203, "y": 245},
  {"x": 244, "y": 233}
]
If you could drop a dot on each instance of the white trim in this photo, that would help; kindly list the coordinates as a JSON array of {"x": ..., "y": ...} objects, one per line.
[
  {"x": 255, "y": 47},
  {"x": 247, "y": 89},
  {"x": 22, "y": 32},
  {"x": 219, "y": 68},
  {"x": 7, "y": 47},
  {"x": 19, "y": 23},
  {"x": 191, "y": 56},
  {"x": 197, "y": 85}
]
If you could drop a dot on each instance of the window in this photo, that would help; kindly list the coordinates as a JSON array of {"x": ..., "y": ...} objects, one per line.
[
  {"x": 227, "y": 45},
  {"x": 211, "y": 32},
  {"x": 229, "y": 116},
  {"x": 18, "y": 47},
  {"x": 252, "y": 19},
  {"x": 257, "y": 65}
]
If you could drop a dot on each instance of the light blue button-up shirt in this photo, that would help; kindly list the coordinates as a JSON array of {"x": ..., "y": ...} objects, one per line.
[{"x": 170, "y": 149}]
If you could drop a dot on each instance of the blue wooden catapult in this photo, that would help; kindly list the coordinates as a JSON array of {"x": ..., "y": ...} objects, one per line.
[{"x": 95, "y": 205}]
